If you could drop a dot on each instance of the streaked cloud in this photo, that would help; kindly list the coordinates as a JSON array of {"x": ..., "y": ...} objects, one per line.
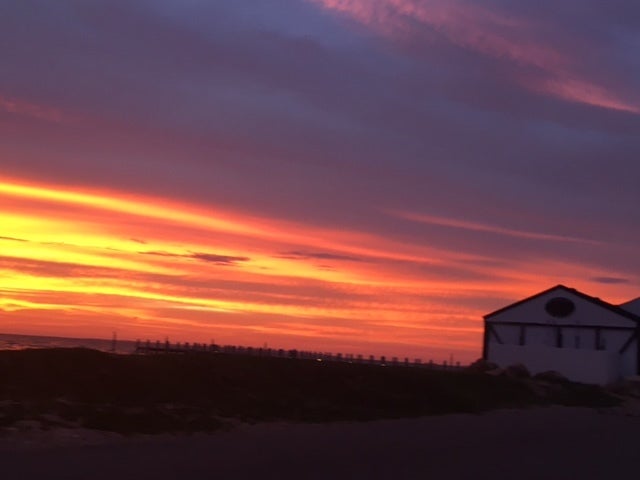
[
  {"x": 14, "y": 239},
  {"x": 207, "y": 257},
  {"x": 483, "y": 227},
  {"x": 611, "y": 280},
  {"x": 492, "y": 30},
  {"x": 303, "y": 255},
  {"x": 21, "y": 107}
]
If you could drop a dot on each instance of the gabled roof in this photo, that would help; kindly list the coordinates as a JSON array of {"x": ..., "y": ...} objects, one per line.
[{"x": 596, "y": 301}]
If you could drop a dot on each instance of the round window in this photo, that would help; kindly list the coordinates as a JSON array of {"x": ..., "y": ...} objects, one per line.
[{"x": 560, "y": 307}]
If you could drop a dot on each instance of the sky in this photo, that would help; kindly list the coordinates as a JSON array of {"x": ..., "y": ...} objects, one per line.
[{"x": 356, "y": 176}]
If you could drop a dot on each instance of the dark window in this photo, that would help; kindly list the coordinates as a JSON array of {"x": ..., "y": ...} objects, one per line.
[
  {"x": 560, "y": 307},
  {"x": 600, "y": 341},
  {"x": 559, "y": 339}
]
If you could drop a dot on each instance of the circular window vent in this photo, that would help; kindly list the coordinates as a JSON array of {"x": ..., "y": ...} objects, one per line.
[{"x": 560, "y": 307}]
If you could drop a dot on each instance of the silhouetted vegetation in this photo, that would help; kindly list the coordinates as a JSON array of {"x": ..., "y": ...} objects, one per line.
[{"x": 204, "y": 392}]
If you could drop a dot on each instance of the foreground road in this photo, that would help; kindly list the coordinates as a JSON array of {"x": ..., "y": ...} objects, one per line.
[{"x": 533, "y": 444}]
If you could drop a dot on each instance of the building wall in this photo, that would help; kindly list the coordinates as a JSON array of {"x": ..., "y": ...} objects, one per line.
[
  {"x": 586, "y": 313},
  {"x": 592, "y": 337},
  {"x": 575, "y": 341},
  {"x": 603, "y": 366}
]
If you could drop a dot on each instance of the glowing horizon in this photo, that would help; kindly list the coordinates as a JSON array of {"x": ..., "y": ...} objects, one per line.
[{"x": 123, "y": 265}]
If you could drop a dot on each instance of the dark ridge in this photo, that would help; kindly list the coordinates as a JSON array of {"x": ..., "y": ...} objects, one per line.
[{"x": 204, "y": 391}]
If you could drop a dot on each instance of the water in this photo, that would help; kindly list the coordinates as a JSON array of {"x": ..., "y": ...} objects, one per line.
[{"x": 22, "y": 342}]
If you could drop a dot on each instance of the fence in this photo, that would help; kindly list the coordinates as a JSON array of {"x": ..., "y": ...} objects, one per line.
[{"x": 155, "y": 348}]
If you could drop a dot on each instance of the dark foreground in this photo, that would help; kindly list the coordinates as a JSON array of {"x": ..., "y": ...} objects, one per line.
[
  {"x": 78, "y": 414},
  {"x": 207, "y": 392},
  {"x": 549, "y": 443}
]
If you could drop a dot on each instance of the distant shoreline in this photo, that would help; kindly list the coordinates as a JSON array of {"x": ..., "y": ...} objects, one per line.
[{"x": 11, "y": 341}]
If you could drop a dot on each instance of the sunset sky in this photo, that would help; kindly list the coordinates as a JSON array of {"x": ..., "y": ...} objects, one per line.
[{"x": 357, "y": 176}]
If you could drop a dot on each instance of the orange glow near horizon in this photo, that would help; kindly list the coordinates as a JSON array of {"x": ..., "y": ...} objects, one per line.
[{"x": 87, "y": 262}]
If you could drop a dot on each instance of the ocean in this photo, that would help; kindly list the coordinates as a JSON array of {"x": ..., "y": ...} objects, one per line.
[{"x": 22, "y": 342}]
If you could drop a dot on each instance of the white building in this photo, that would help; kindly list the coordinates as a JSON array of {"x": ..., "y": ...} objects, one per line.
[{"x": 561, "y": 329}]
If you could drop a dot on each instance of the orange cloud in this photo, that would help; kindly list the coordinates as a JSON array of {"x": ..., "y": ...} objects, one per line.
[{"x": 483, "y": 227}]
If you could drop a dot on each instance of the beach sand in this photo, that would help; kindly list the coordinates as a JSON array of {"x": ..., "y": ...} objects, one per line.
[{"x": 554, "y": 442}]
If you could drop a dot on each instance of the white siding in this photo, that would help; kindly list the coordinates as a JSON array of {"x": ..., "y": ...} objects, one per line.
[
  {"x": 578, "y": 358},
  {"x": 603, "y": 366},
  {"x": 542, "y": 336},
  {"x": 586, "y": 313}
]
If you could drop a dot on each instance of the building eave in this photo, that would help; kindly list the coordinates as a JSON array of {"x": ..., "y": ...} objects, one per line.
[{"x": 596, "y": 301}]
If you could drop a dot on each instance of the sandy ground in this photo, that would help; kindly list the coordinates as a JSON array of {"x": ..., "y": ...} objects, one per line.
[{"x": 539, "y": 443}]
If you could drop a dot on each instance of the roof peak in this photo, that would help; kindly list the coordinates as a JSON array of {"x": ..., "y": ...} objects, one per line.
[
  {"x": 596, "y": 300},
  {"x": 637, "y": 299}
]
